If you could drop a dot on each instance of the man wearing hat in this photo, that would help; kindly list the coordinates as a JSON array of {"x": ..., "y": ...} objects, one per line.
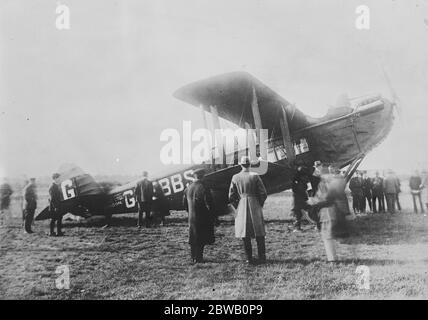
[
  {"x": 54, "y": 206},
  {"x": 198, "y": 202},
  {"x": 248, "y": 194},
  {"x": 144, "y": 196},
  {"x": 30, "y": 204}
]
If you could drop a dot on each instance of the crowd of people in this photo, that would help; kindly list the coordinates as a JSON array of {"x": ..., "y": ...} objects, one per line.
[
  {"x": 327, "y": 204},
  {"x": 382, "y": 194},
  {"x": 319, "y": 191}
]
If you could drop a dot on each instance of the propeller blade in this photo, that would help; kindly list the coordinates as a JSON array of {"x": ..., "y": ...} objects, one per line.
[{"x": 395, "y": 98}]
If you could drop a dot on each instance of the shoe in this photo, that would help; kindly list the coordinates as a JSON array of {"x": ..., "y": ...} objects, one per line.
[
  {"x": 28, "y": 231},
  {"x": 52, "y": 234},
  {"x": 60, "y": 234}
]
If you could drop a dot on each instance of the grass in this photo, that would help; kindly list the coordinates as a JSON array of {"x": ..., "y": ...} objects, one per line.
[{"x": 122, "y": 262}]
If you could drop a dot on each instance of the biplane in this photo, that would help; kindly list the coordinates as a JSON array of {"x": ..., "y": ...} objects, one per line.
[{"x": 342, "y": 137}]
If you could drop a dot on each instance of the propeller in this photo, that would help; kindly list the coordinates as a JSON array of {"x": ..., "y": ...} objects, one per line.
[{"x": 395, "y": 99}]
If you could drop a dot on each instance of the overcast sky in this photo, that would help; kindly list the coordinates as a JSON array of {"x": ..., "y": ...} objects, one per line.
[{"x": 99, "y": 95}]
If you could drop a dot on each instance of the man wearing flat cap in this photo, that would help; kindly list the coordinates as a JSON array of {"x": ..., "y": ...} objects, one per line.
[
  {"x": 198, "y": 202},
  {"x": 55, "y": 206},
  {"x": 248, "y": 194}
]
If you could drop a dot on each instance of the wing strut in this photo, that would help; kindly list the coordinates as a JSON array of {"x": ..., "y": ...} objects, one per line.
[
  {"x": 204, "y": 118},
  {"x": 286, "y": 137},
  {"x": 353, "y": 167},
  {"x": 219, "y": 136},
  {"x": 256, "y": 116}
]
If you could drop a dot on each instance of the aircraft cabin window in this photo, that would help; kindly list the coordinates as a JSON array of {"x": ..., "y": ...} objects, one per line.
[
  {"x": 301, "y": 147},
  {"x": 280, "y": 152}
]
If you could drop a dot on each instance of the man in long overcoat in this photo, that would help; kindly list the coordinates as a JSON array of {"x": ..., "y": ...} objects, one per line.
[
  {"x": 199, "y": 204},
  {"x": 248, "y": 194},
  {"x": 55, "y": 206}
]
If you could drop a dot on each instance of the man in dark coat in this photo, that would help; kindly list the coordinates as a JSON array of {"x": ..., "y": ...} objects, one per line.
[
  {"x": 144, "y": 196},
  {"x": 5, "y": 193},
  {"x": 55, "y": 206},
  {"x": 415, "y": 184},
  {"x": 199, "y": 204},
  {"x": 377, "y": 193},
  {"x": 30, "y": 204},
  {"x": 367, "y": 186},
  {"x": 300, "y": 195},
  {"x": 160, "y": 206},
  {"x": 356, "y": 187},
  {"x": 397, "y": 195}
]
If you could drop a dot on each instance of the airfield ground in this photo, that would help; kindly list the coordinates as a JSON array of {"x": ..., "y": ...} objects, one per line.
[{"x": 122, "y": 262}]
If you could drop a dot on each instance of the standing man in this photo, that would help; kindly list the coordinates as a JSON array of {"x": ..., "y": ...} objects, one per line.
[
  {"x": 391, "y": 188},
  {"x": 160, "y": 203},
  {"x": 55, "y": 206},
  {"x": 377, "y": 193},
  {"x": 144, "y": 196},
  {"x": 248, "y": 194},
  {"x": 5, "y": 193},
  {"x": 300, "y": 195},
  {"x": 367, "y": 191},
  {"x": 415, "y": 184},
  {"x": 199, "y": 204},
  {"x": 397, "y": 198},
  {"x": 30, "y": 204},
  {"x": 425, "y": 186},
  {"x": 356, "y": 187},
  {"x": 332, "y": 203}
]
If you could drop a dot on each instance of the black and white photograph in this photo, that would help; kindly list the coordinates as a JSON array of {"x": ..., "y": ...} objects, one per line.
[{"x": 229, "y": 152}]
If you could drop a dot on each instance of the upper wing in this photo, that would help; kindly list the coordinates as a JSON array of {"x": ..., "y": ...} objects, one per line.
[{"x": 232, "y": 94}]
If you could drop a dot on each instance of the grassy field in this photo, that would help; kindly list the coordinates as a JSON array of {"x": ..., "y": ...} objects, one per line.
[{"x": 123, "y": 262}]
